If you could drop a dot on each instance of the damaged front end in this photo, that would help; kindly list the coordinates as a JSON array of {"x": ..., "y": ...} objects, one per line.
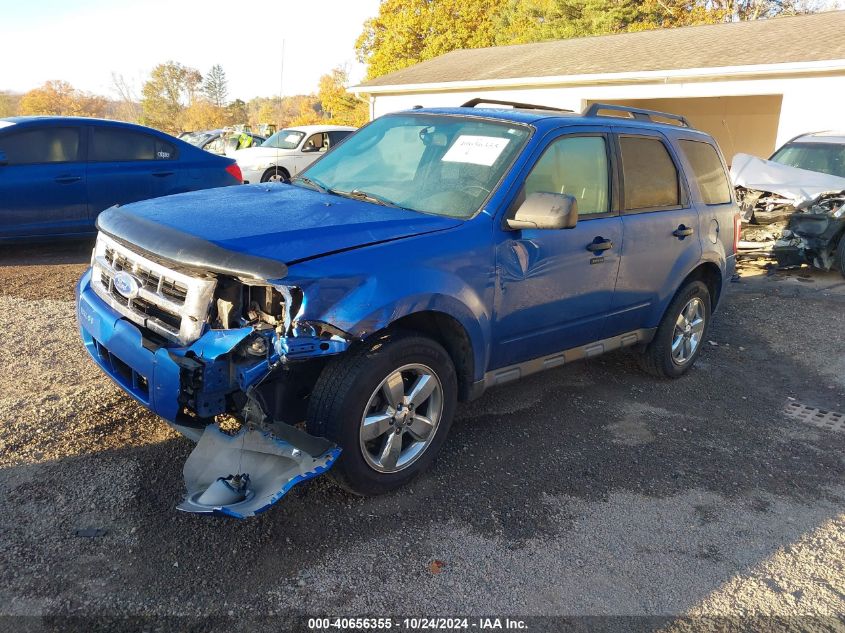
[
  {"x": 793, "y": 215},
  {"x": 226, "y": 359},
  {"x": 813, "y": 236}
]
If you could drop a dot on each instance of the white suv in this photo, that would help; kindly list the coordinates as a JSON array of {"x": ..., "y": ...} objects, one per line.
[{"x": 288, "y": 152}]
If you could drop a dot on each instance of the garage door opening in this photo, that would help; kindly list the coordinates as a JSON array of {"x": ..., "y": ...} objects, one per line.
[{"x": 739, "y": 124}]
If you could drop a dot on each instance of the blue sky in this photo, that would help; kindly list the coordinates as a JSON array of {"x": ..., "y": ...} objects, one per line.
[{"x": 84, "y": 41}]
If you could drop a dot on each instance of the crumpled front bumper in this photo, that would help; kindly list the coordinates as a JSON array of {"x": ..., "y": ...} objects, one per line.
[{"x": 159, "y": 377}]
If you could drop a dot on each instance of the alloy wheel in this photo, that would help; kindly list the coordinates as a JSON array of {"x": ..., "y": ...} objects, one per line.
[{"x": 401, "y": 418}]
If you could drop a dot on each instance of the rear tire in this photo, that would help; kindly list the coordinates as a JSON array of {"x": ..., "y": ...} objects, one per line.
[
  {"x": 389, "y": 405},
  {"x": 276, "y": 174},
  {"x": 681, "y": 333}
]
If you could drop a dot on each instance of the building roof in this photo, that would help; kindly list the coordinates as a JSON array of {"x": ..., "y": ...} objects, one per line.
[{"x": 785, "y": 40}]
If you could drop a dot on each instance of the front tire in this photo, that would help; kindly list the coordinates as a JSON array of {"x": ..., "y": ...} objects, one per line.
[
  {"x": 388, "y": 405},
  {"x": 275, "y": 174},
  {"x": 681, "y": 333}
]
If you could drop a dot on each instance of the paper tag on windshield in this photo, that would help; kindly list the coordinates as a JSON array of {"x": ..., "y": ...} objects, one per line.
[
  {"x": 292, "y": 138},
  {"x": 478, "y": 150}
]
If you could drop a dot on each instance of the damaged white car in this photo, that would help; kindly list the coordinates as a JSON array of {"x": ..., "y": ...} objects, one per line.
[{"x": 796, "y": 200}]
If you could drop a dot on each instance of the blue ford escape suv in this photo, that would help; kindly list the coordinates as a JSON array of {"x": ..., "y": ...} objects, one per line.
[{"x": 335, "y": 321}]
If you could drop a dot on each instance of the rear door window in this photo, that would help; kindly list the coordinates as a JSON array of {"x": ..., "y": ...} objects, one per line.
[
  {"x": 649, "y": 174},
  {"x": 708, "y": 171},
  {"x": 337, "y": 136},
  {"x": 116, "y": 145},
  {"x": 578, "y": 166},
  {"x": 41, "y": 145}
]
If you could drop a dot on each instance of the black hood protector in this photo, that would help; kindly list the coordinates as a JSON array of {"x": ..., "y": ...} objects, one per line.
[{"x": 161, "y": 241}]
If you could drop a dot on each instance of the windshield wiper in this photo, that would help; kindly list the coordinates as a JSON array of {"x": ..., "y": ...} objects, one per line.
[
  {"x": 358, "y": 194},
  {"x": 314, "y": 184}
]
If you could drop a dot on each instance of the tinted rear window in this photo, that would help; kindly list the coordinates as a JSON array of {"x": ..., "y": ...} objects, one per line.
[
  {"x": 651, "y": 178},
  {"x": 708, "y": 171},
  {"x": 127, "y": 145},
  {"x": 42, "y": 145}
]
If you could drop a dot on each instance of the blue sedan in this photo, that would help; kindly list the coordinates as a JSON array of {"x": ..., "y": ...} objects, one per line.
[{"x": 58, "y": 173}]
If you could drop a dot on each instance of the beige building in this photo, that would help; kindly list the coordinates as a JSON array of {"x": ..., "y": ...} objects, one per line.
[{"x": 752, "y": 85}]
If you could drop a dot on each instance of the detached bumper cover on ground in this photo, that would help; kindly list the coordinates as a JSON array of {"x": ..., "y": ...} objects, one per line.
[{"x": 272, "y": 465}]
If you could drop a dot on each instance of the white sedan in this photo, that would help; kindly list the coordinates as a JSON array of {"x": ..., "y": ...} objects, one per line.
[{"x": 288, "y": 152}]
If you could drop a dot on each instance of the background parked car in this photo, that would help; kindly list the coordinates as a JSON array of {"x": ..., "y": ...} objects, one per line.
[
  {"x": 288, "y": 152},
  {"x": 222, "y": 142},
  {"x": 58, "y": 173}
]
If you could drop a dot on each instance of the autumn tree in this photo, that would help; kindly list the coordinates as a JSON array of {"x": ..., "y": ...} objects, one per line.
[
  {"x": 60, "y": 98},
  {"x": 170, "y": 88},
  {"x": 406, "y": 32},
  {"x": 237, "y": 113},
  {"x": 215, "y": 86},
  {"x": 9, "y": 103},
  {"x": 339, "y": 105},
  {"x": 127, "y": 107},
  {"x": 203, "y": 115}
]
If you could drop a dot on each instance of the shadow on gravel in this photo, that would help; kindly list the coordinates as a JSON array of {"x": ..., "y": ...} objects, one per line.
[
  {"x": 60, "y": 251},
  {"x": 582, "y": 432}
]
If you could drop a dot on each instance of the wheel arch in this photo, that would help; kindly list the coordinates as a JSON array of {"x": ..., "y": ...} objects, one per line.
[
  {"x": 451, "y": 334},
  {"x": 711, "y": 275}
]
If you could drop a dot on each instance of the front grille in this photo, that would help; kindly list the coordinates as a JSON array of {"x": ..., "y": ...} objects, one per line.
[
  {"x": 171, "y": 303},
  {"x": 167, "y": 287}
]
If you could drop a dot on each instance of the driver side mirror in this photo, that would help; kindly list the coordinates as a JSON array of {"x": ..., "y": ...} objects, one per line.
[
  {"x": 3, "y": 160},
  {"x": 546, "y": 211}
]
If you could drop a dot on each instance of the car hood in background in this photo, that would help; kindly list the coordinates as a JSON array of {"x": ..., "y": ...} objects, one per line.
[
  {"x": 800, "y": 186},
  {"x": 248, "y": 229}
]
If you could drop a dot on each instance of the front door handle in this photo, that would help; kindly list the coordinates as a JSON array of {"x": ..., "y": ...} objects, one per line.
[
  {"x": 66, "y": 180},
  {"x": 599, "y": 244},
  {"x": 162, "y": 174},
  {"x": 683, "y": 231}
]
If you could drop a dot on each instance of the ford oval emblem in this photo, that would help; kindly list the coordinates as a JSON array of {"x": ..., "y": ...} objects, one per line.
[{"x": 126, "y": 285}]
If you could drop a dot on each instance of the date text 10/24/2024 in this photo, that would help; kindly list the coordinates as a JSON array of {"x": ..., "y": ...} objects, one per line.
[{"x": 417, "y": 624}]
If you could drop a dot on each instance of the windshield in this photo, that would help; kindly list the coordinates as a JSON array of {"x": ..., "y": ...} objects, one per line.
[
  {"x": 284, "y": 139},
  {"x": 444, "y": 165},
  {"x": 827, "y": 158}
]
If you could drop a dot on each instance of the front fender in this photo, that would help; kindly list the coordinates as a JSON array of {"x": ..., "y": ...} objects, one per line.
[{"x": 366, "y": 290}]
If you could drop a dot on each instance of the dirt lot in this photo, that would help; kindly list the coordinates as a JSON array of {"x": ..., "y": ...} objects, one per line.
[{"x": 589, "y": 490}]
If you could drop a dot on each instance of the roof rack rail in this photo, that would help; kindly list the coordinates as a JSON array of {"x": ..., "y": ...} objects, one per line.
[
  {"x": 637, "y": 113},
  {"x": 514, "y": 104}
]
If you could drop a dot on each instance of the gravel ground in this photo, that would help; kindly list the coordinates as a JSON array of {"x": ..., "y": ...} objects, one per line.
[{"x": 590, "y": 490}]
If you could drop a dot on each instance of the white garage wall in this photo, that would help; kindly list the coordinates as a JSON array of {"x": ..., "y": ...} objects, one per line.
[{"x": 809, "y": 103}]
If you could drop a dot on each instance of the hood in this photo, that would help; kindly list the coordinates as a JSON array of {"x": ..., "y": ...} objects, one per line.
[
  {"x": 800, "y": 186},
  {"x": 252, "y": 223}
]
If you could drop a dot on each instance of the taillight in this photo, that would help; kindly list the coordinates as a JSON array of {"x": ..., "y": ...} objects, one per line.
[
  {"x": 737, "y": 229},
  {"x": 235, "y": 172}
]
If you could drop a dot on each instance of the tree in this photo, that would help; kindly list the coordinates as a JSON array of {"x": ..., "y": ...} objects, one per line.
[
  {"x": 60, "y": 98},
  {"x": 169, "y": 89},
  {"x": 237, "y": 113},
  {"x": 406, "y": 32},
  {"x": 9, "y": 103},
  {"x": 127, "y": 108},
  {"x": 341, "y": 107},
  {"x": 203, "y": 115},
  {"x": 215, "y": 86}
]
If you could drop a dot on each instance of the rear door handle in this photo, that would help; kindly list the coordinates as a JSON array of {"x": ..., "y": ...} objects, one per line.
[
  {"x": 683, "y": 231},
  {"x": 599, "y": 244},
  {"x": 162, "y": 174},
  {"x": 66, "y": 180}
]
